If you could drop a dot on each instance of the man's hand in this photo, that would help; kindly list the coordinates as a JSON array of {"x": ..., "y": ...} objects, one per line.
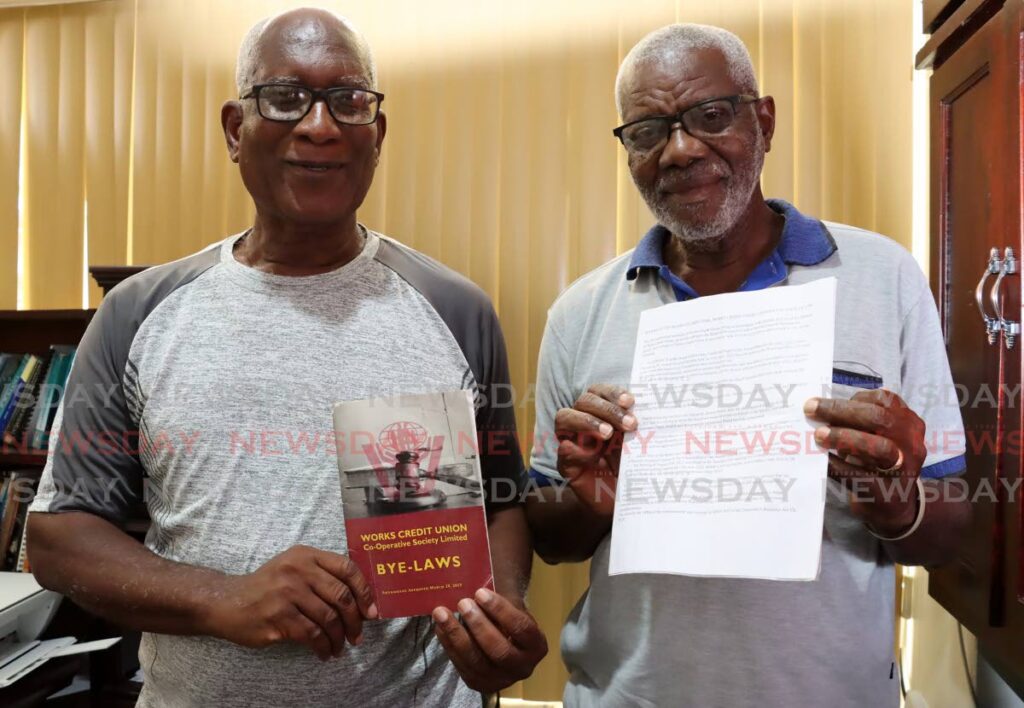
[
  {"x": 303, "y": 595},
  {"x": 871, "y": 434},
  {"x": 499, "y": 644},
  {"x": 590, "y": 447}
]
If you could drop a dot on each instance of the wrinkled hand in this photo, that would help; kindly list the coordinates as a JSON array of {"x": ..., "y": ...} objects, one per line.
[
  {"x": 303, "y": 595},
  {"x": 497, "y": 643},
  {"x": 867, "y": 435},
  {"x": 590, "y": 447}
]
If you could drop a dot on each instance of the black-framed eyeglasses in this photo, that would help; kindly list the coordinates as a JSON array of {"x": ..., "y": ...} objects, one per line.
[
  {"x": 291, "y": 102},
  {"x": 706, "y": 119}
]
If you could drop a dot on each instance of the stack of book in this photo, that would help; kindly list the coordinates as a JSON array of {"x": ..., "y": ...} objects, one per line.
[
  {"x": 30, "y": 389},
  {"x": 17, "y": 490}
]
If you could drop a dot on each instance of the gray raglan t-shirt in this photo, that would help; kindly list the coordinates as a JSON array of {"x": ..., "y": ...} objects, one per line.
[
  {"x": 649, "y": 641},
  {"x": 204, "y": 388}
]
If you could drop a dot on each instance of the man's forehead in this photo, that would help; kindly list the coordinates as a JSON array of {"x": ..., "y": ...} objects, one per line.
[
  {"x": 289, "y": 48},
  {"x": 306, "y": 29},
  {"x": 684, "y": 65},
  {"x": 681, "y": 73}
]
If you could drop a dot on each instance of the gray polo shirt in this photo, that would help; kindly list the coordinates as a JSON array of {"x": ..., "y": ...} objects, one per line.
[
  {"x": 660, "y": 640},
  {"x": 205, "y": 388}
]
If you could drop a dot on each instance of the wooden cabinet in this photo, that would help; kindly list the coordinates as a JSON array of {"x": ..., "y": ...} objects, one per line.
[
  {"x": 109, "y": 671},
  {"x": 975, "y": 54}
]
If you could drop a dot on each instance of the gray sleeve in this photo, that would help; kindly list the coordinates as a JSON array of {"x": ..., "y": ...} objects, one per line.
[
  {"x": 467, "y": 312},
  {"x": 554, "y": 391},
  {"x": 927, "y": 387},
  {"x": 93, "y": 463}
]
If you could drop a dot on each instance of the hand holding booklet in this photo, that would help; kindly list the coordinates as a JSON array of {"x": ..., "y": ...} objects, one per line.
[
  {"x": 722, "y": 477},
  {"x": 413, "y": 499}
]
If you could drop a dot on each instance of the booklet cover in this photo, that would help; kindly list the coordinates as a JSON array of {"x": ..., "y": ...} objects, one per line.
[{"x": 413, "y": 499}]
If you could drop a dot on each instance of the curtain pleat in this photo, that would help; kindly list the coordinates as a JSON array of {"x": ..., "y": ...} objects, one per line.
[
  {"x": 12, "y": 30},
  {"x": 109, "y": 50},
  {"x": 54, "y": 157}
]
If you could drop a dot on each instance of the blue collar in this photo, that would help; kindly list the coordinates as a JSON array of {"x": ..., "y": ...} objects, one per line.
[{"x": 805, "y": 242}]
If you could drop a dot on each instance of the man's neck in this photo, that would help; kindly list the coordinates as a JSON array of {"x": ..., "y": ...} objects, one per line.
[
  {"x": 723, "y": 265},
  {"x": 285, "y": 248}
]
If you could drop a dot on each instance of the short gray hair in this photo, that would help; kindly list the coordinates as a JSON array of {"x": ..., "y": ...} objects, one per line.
[
  {"x": 668, "y": 42},
  {"x": 245, "y": 67}
]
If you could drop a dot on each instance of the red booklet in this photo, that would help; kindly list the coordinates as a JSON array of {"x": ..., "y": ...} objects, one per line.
[{"x": 413, "y": 499}]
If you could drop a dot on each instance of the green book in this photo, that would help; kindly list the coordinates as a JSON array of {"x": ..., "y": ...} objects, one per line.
[
  {"x": 15, "y": 428},
  {"x": 42, "y": 396},
  {"x": 50, "y": 396},
  {"x": 11, "y": 387}
]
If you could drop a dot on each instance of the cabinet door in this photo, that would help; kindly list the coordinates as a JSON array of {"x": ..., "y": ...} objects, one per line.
[
  {"x": 1004, "y": 646},
  {"x": 975, "y": 208}
]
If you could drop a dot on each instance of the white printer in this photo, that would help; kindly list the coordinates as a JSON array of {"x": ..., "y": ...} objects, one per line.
[{"x": 25, "y": 610}]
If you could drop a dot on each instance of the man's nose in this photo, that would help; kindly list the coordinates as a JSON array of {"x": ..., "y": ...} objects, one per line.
[
  {"x": 681, "y": 148},
  {"x": 318, "y": 125}
]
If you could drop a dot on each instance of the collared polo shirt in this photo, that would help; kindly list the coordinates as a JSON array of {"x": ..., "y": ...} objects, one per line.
[{"x": 658, "y": 640}]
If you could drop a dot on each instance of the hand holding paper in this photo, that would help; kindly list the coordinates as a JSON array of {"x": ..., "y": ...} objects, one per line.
[{"x": 728, "y": 480}]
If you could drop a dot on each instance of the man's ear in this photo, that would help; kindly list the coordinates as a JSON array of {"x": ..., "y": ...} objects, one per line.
[
  {"x": 765, "y": 108},
  {"x": 231, "y": 122},
  {"x": 382, "y": 128}
]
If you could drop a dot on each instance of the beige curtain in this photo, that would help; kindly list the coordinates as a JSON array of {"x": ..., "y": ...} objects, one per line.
[{"x": 499, "y": 158}]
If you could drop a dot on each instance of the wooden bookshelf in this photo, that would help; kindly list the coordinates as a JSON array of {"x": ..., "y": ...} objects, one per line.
[
  {"x": 33, "y": 332},
  {"x": 12, "y": 456}
]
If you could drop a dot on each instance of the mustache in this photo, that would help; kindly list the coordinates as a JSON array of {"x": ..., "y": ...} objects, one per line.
[{"x": 681, "y": 177}]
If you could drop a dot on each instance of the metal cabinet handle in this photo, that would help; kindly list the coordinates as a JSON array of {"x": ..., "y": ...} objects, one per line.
[
  {"x": 1009, "y": 328},
  {"x": 992, "y": 325}
]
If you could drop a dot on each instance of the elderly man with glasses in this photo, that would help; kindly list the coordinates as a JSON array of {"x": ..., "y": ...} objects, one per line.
[
  {"x": 696, "y": 131},
  {"x": 233, "y": 357}
]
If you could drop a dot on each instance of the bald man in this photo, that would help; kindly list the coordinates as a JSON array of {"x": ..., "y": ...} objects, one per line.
[
  {"x": 695, "y": 131},
  {"x": 225, "y": 365}
]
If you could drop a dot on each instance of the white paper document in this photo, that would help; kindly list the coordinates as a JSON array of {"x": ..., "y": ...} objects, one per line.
[{"x": 723, "y": 477}]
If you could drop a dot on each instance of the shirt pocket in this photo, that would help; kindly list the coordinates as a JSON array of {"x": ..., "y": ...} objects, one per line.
[{"x": 851, "y": 378}]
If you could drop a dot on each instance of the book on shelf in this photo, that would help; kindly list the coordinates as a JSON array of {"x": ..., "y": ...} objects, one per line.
[
  {"x": 413, "y": 499},
  {"x": 22, "y": 404},
  {"x": 17, "y": 489},
  {"x": 13, "y": 386},
  {"x": 22, "y": 565},
  {"x": 30, "y": 390}
]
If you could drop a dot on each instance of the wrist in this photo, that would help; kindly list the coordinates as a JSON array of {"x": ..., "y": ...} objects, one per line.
[
  {"x": 213, "y": 607},
  {"x": 887, "y": 516},
  {"x": 897, "y": 526}
]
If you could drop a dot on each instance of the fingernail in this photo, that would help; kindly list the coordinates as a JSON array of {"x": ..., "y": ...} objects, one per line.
[
  {"x": 358, "y": 641},
  {"x": 821, "y": 434},
  {"x": 605, "y": 430},
  {"x": 628, "y": 421},
  {"x": 811, "y": 406},
  {"x": 466, "y": 606},
  {"x": 440, "y": 615},
  {"x": 626, "y": 400},
  {"x": 483, "y": 596},
  {"x": 371, "y": 611}
]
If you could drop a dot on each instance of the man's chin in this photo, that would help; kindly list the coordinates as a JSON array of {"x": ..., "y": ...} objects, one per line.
[
  {"x": 693, "y": 228},
  {"x": 316, "y": 213}
]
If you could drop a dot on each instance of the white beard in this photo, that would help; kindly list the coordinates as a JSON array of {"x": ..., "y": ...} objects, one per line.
[{"x": 739, "y": 189}]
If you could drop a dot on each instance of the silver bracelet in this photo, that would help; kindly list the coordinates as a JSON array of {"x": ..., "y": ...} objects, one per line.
[{"x": 917, "y": 520}]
